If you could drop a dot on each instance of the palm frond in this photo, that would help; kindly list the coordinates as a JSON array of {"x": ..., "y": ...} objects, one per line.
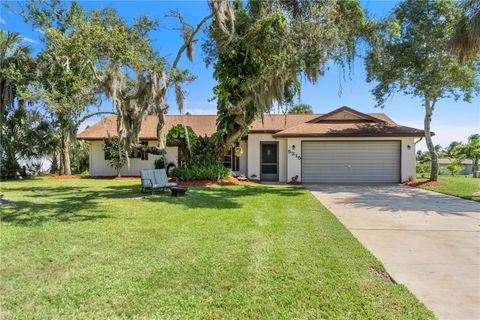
[{"x": 465, "y": 43}]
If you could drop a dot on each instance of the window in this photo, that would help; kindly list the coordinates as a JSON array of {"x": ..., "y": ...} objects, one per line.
[
  {"x": 139, "y": 154},
  {"x": 227, "y": 159},
  {"x": 135, "y": 154},
  {"x": 230, "y": 160}
]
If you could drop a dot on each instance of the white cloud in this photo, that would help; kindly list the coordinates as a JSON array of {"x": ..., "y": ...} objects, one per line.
[
  {"x": 39, "y": 30},
  {"x": 205, "y": 110},
  {"x": 30, "y": 40},
  {"x": 197, "y": 107},
  {"x": 2, "y": 21}
]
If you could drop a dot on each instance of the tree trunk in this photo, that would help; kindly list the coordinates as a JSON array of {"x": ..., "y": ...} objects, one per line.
[
  {"x": 428, "y": 140},
  {"x": 61, "y": 164},
  {"x": 160, "y": 124},
  {"x": 54, "y": 166},
  {"x": 229, "y": 141},
  {"x": 66, "y": 170}
]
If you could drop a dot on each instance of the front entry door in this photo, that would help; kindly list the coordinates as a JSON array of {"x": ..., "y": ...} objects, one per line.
[{"x": 269, "y": 161}]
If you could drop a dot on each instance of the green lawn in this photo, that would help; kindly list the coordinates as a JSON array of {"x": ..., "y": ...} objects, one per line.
[
  {"x": 82, "y": 249},
  {"x": 459, "y": 186}
]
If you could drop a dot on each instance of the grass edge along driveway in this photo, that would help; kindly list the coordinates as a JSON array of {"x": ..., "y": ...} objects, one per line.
[
  {"x": 84, "y": 249},
  {"x": 458, "y": 186}
]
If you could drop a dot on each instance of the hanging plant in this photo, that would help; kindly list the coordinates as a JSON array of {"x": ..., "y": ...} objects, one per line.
[{"x": 238, "y": 152}]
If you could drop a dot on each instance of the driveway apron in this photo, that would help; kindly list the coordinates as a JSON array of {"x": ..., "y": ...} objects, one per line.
[{"x": 428, "y": 241}]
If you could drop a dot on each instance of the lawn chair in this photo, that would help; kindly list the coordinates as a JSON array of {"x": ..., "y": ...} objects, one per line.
[{"x": 155, "y": 179}]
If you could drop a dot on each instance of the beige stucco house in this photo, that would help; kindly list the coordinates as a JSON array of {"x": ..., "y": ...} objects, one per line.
[{"x": 343, "y": 146}]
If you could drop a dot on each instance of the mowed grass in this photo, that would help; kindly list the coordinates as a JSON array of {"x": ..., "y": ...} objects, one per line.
[
  {"x": 459, "y": 186},
  {"x": 83, "y": 249}
]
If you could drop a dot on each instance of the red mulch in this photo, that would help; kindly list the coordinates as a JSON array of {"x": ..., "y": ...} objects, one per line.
[
  {"x": 64, "y": 177},
  {"x": 95, "y": 178},
  {"x": 294, "y": 183},
  {"x": 428, "y": 183},
  {"x": 207, "y": 183}
]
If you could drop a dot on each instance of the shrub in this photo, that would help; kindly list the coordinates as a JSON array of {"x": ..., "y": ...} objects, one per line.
[
  {"x": 115, "y": 154},
  {"x": 159, "y": 163},
  {"x": 454, "y": 167},
  {"x": 423, "y": 168},
  {"x": 213, "y": 172},
  {"x": 184, "y": 138},
  {"x": 204, "y": 152},
  {"x": 193, "y": 150}
]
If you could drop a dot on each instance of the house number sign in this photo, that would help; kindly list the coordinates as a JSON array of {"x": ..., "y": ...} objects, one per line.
[{"x": 293, "y": 153}]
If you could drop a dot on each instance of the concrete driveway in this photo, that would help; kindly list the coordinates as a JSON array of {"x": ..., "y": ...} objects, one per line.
[{"x": 428, "y": 241}]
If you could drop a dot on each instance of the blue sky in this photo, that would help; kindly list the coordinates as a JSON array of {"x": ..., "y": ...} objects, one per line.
[{"x": 451, "y": 120}]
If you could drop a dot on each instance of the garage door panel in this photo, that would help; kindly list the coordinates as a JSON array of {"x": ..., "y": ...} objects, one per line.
[{"x": 350, "y": 161}]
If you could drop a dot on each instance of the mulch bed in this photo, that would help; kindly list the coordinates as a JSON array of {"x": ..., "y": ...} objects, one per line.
[
  {"x": 202, "y": 183},
  {"x": 94, "y": 178},
  {"x": 294, "y": 183},
  {"x": 207, "y": 183},
  {"x": 428, "y": 183}
]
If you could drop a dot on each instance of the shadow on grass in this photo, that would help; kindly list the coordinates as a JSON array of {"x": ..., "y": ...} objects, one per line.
[
  {"x": 226, "y": 197},
  {"x": 64, "y": 203}
]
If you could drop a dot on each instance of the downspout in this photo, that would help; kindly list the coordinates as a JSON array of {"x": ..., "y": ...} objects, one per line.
[{"x": 418, "y": 140}]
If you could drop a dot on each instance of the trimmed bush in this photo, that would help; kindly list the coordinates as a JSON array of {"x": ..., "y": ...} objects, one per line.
[{"x": 214, "y": 172}]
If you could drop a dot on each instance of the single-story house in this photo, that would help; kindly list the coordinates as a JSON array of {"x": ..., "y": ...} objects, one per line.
[
  {"x": 343, "y": 146},
  {"x": 467, "y": 166}
]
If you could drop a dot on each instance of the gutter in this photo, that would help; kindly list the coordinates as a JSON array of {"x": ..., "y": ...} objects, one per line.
[{"x": 421, "y": 138}]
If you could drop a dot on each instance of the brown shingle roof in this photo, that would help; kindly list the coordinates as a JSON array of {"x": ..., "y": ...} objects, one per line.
[
  {"x": 276, "y": 122},
  {"x": 201, "y": 125},
  {"x": 291, "y": 125},
  {"x": 347, "y": 122},
  {"x": 349, "y": 130}
]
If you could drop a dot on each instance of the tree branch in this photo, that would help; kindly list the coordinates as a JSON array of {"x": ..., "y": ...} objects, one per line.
[
  {"x": 189, "y": 40},
  {"x": 77, "y": 123},
  {"x": 94, "y": 70}
]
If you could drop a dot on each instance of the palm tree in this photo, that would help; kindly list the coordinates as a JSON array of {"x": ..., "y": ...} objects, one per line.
[
  {"x": 451, "y": 150},
  {"x": 439, "y": 150},
  {"x": 301, "y": 108},
  {"x": 466, "y": 37},
  {"x": 16, "y": 74},
  {"x": 471, "y": 150},
  {"x": 48, "y": 143},
  {"x": 16, "y": 69}
]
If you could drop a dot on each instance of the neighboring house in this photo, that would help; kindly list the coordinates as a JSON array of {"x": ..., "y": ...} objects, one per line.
[
  {"x": 343, "y": 146},
  {"x": 467, "y": 165}
]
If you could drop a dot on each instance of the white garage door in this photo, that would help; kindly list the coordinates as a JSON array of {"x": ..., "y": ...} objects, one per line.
[{"x": 350, "y": 161}]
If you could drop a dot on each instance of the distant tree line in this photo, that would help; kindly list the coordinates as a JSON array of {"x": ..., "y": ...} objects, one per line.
[{"x": 456, "y": 152}]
